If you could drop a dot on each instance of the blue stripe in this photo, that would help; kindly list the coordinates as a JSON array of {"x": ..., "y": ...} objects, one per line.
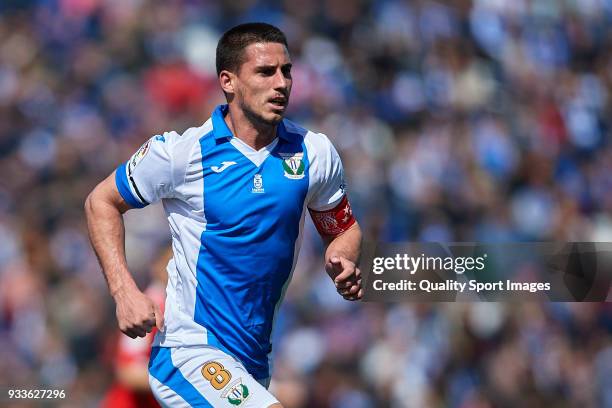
[
  {"x": 247, "y": 249},
  {"x": 124, "y": 188},
  {"x": 161, "y": 367}
]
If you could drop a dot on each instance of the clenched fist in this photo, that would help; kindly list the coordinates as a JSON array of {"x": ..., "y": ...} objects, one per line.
[
  {"x": 346, "y": 276},
  {"x": 137, "y": 314}
]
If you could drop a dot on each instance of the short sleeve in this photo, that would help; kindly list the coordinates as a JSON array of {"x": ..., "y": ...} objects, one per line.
[
  {"x": 147, "y": 176},
  {"x": 327, "y": 175}
]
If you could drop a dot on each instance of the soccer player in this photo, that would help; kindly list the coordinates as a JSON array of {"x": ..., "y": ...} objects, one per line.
[{"x": 235, "y": 191}]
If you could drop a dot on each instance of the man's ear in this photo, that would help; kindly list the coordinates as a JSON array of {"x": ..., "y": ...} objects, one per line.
[{"x": 226, "y": 80}]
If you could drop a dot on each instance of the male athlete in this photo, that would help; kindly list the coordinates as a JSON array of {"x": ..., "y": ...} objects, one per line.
[{"x": 235, "y": 191}]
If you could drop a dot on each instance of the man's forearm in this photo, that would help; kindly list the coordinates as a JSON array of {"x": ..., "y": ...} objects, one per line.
[
  {"x": 347, "y": 245},
  {"x": 107, "y": 235},
  {"x": 136, "y": 313}
]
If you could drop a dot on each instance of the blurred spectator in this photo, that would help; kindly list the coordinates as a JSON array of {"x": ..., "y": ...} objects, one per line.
[{"x": 459, "y": 120}]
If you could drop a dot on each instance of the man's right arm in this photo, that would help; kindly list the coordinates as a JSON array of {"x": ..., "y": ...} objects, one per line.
[{"x": 104, "y": 207}]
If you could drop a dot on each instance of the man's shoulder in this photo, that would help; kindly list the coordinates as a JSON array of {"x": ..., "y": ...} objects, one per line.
[
  {"x": 191, "y": 135},
  {"x": 179, "y": 147}
]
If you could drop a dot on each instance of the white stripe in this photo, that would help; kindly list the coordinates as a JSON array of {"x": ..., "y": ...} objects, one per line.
[
  {"x": 257, "y": 157},
  {"x": 187, "y": 225},
  {"x": 165, "y": 395}
]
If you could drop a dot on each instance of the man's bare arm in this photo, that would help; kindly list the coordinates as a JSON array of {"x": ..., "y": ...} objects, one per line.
[
  {"x": 104, "y": 208},
  {"x": 341, "y": 260}
]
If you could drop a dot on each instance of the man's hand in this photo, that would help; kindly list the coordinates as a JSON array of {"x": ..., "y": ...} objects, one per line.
[
  {"x": 137, "y": 314},
  {"x": 346, "y": 276}
]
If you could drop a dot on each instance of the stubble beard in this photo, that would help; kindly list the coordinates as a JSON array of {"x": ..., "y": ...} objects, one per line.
[{"x": 256, "y": 118}]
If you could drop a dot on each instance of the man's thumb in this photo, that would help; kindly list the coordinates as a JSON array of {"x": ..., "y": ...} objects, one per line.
[{"x": 159, "y": 319}]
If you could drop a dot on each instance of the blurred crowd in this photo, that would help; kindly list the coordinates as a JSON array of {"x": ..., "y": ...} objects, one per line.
[{"x": 462, "y": 120}]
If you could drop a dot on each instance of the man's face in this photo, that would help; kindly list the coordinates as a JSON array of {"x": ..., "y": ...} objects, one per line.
[{"x": 263, "y": 82}]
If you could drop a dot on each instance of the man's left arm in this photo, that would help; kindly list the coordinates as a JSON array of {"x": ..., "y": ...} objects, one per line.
[
  {"x": 333, "y": 217},
  {"x": 342, "y": 260},
  {"x": 342, "y": 236}
]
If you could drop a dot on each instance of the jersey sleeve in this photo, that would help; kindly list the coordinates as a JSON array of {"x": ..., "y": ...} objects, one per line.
[
  {"x": 147, "y": 176},
  {"x": 328, "y": 205},
  {"x": 327, "y": 176}
]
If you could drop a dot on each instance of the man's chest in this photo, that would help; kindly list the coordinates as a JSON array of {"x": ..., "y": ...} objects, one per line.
[{"x": 238, "y": 191}]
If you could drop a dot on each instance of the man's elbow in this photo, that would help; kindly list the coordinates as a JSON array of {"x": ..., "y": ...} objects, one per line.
[
  {"x": 105, "y": 197},
  {"x": 99, "y": 200},
  {"x": 90, "y": 203}
]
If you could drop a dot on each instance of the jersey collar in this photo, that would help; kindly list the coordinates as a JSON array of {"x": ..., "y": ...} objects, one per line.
[{"x": 221, "y": 130}]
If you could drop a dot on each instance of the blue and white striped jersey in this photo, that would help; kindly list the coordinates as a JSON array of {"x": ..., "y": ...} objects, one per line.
[{"x": 236, "y": 217}]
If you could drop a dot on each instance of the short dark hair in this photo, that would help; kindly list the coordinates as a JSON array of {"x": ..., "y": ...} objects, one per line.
[{"x": 230, "y": 49}]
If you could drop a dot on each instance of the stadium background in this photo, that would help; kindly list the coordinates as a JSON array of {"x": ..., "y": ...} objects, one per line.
[{"x": 461, "y": 120}]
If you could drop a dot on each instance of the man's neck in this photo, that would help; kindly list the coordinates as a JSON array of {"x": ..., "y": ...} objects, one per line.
[{"x": 256, "y": 135}]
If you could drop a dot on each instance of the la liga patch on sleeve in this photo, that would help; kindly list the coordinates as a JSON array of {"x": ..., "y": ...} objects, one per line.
[{"x": 138, "y": 156}]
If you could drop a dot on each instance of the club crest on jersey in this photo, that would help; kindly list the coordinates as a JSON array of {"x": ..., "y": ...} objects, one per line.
[
  {"x": 236, "y": 393},
  {"x": 257, "y": 184},
  {"x": 293, "y": 165},
  {"x": 138, "y": 156}
]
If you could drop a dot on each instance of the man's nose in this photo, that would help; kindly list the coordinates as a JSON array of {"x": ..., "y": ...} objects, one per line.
[{"x": 280, "y": 80}]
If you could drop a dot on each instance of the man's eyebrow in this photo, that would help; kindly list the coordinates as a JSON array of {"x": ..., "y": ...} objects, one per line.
[
  {"x": 272, "y": 66},
  {"x": 264, "y": 67}
]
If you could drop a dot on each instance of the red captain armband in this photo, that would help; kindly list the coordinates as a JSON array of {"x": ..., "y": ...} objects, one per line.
[{"x": 334, "y": 221}]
